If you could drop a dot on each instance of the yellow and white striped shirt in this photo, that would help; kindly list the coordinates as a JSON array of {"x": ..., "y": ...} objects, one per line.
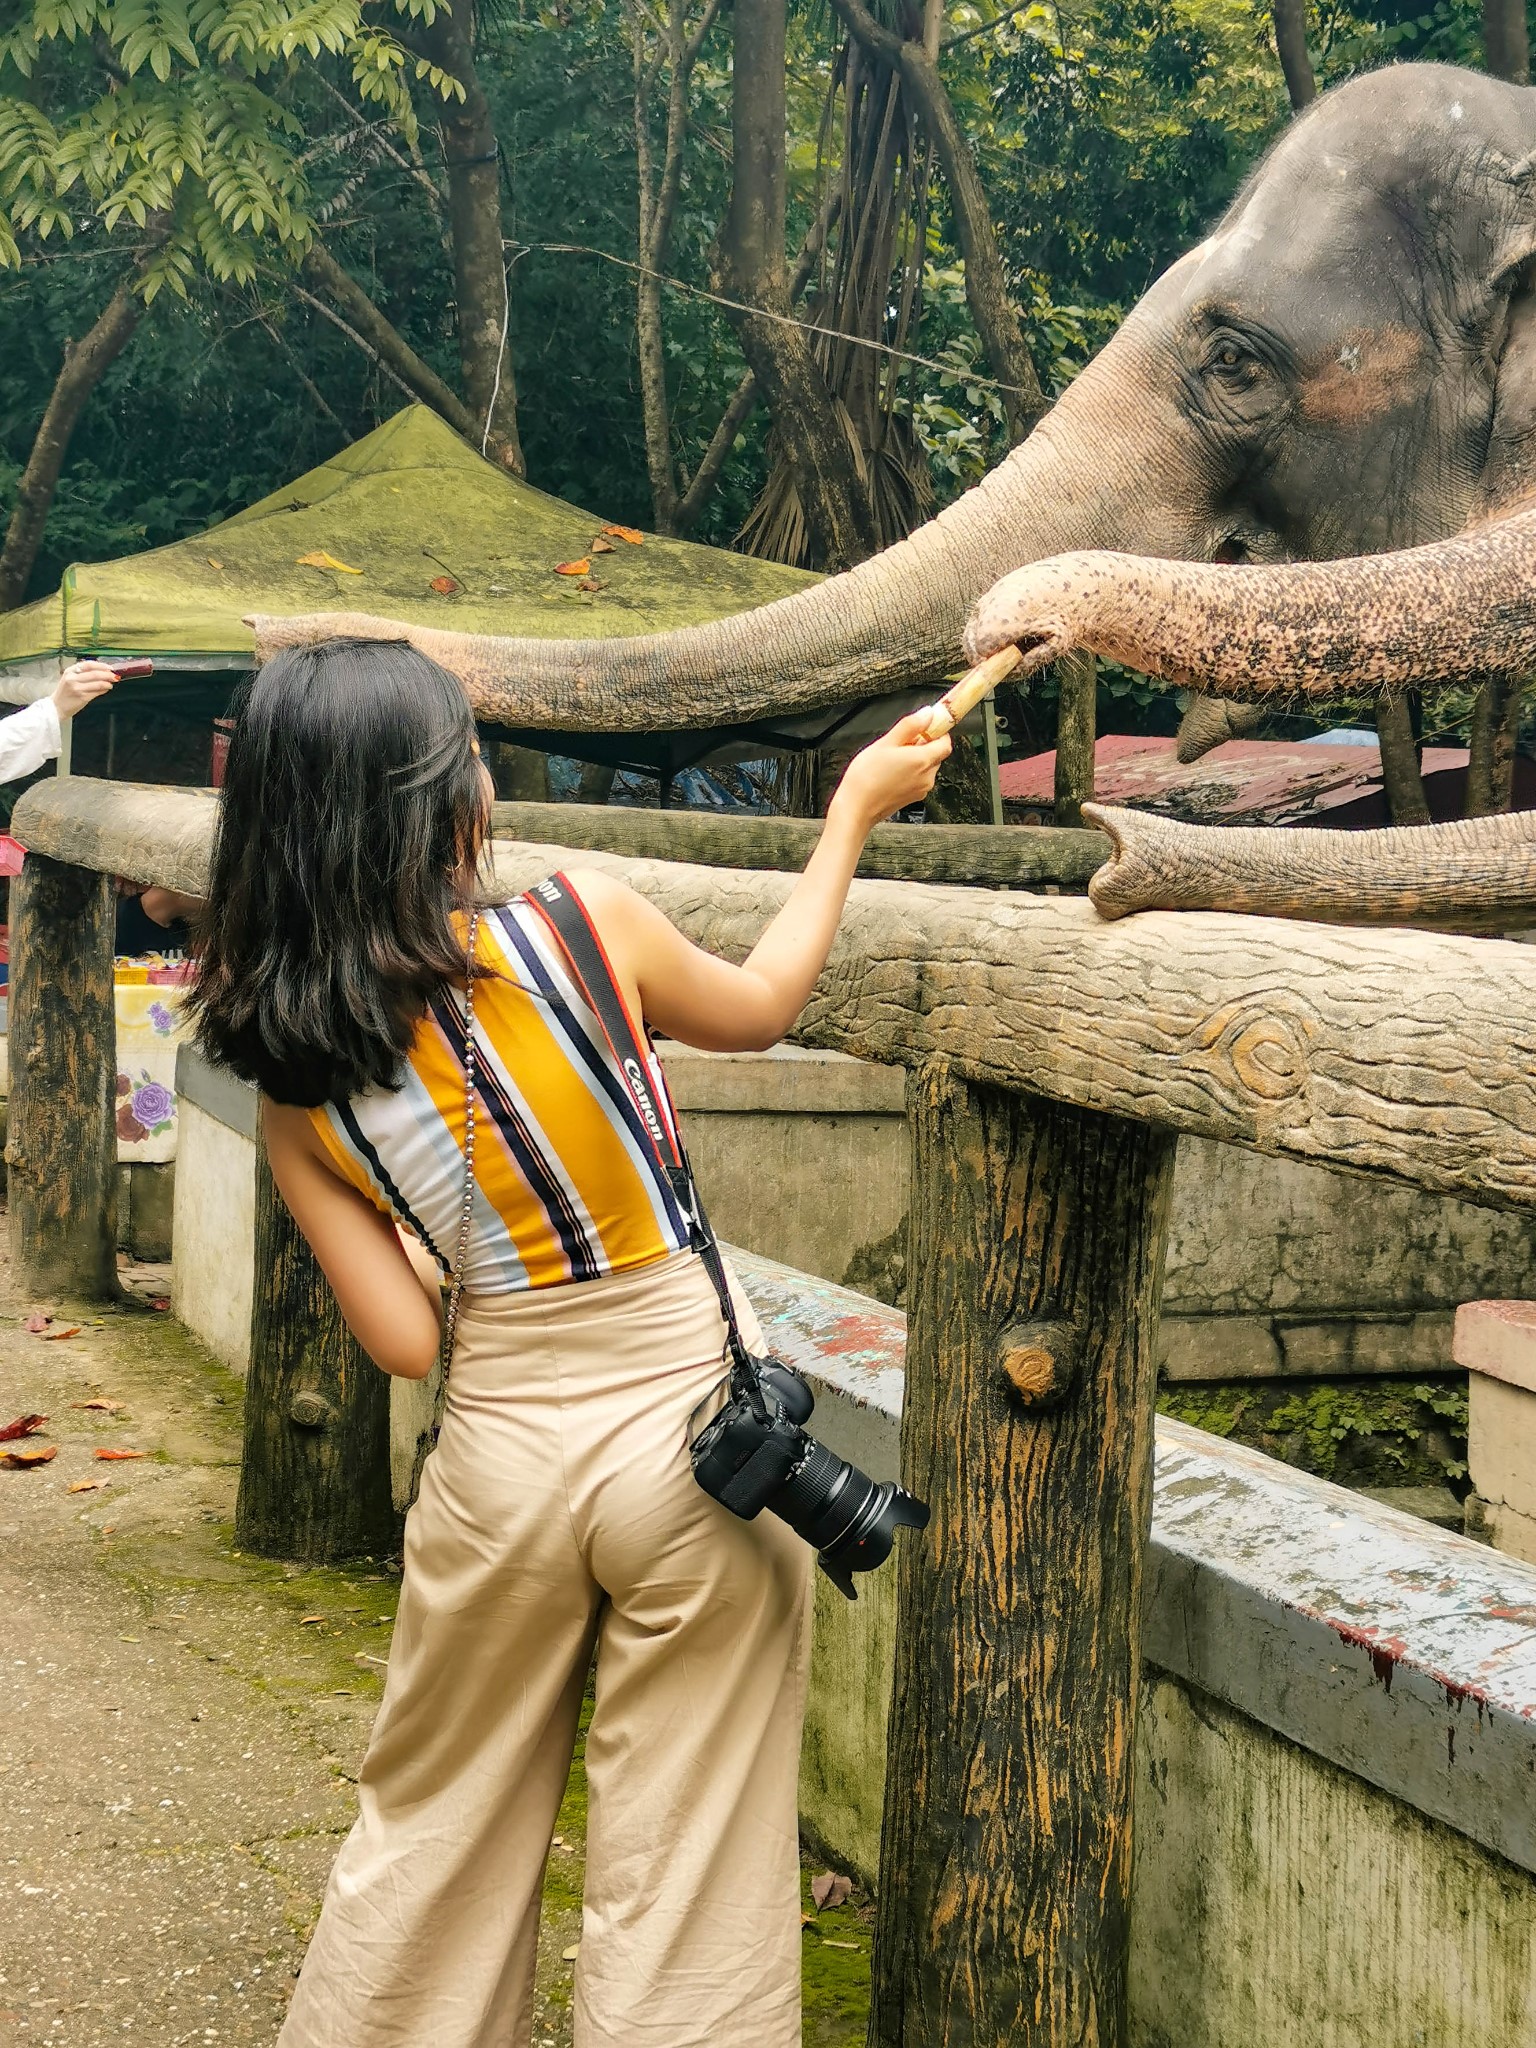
[{"x": 567, "y": 1183}]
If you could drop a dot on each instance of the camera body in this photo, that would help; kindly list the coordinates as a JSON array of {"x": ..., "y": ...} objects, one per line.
[{"x": 756, "y": 1453}]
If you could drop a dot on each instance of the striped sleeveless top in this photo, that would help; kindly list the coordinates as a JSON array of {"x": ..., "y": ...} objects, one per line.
[{"x": 567, "y": 1184}]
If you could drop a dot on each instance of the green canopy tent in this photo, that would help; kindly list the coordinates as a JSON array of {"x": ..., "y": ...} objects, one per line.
[{"x": 408, "y": 523}]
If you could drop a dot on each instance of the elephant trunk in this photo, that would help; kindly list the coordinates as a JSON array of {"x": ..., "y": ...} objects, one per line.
[
  {"x": 1455, "y": 611},
  {"x": 894, "y": 622},
  {"x": 1473, "y": 874}
]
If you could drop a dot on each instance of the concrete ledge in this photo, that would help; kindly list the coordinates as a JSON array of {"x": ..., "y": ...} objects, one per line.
[
  {"x": 1403, "y": 1655},
  {"x": 1498, "y": 1339},
  {"x": 218, "y": 1094},
  {"x": 790, "y": 1079}
]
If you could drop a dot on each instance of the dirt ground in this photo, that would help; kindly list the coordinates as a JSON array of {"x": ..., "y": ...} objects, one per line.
[{"x": 181, "y": 1725}]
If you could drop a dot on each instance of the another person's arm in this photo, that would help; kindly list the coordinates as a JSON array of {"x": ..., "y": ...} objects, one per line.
[
  {"x": 31, "y": 737},
  {"x": 702, "y": 1000}
]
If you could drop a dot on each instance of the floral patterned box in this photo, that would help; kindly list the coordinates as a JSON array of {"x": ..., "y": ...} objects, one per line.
[{"x": 149, "y": 1029}]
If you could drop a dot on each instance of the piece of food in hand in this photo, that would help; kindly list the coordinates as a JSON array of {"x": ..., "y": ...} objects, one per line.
[
  {"x": 127, "y": 670},
  {"x": 963, "y": 697}
]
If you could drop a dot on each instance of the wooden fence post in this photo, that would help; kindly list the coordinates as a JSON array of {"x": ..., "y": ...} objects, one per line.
[
  {"x": 61, "y": 1137},
  {"x": 314, "y": 1470},
  {"x": 1035, "y": 1260}
]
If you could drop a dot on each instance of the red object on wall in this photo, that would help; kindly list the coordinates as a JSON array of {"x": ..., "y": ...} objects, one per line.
[
  {"x": 12, "y": 853},
  {"x": 222, "y": 728}
]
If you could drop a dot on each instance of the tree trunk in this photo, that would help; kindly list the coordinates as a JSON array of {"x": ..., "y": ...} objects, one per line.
[
  {"x": 1290, "y": 17},
  {"x": 86, "y": 362},
  {"x": 382, "y": 340},
  {"x": 986, "y": 284},
  {"x": 1400, "y": 774},
  {"x": 1507, "y": 40},
  {"x": 1495, "y": 731},
  {"x": 1077, "y": 680},
  {"x": 1035, "y": 1249},
  {"x": 61, "y": 1147},
  {"x": 472, "y": 158},
  {"x": 831, "y": 488},
  {"x": 314, "y": 1470}
]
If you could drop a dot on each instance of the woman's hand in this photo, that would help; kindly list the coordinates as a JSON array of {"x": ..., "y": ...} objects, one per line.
[
  {"x": 80, "y": 685},
  {"x": 895, "y": 770}
]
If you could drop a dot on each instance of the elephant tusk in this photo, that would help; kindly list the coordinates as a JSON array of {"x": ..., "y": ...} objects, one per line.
[{"x": 1473, "y": 874}]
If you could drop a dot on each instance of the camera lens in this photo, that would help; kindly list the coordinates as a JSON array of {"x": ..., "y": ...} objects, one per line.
[{"x": 850, "y": 1519}]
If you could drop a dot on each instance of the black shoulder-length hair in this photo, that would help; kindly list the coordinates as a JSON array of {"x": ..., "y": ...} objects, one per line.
[{"x": 352, "y": 819}]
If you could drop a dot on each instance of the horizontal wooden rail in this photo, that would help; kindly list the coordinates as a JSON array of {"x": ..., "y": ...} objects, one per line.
[
  {"x": 1411, "y": 1054},
  {"x": 980, "y": 856}
]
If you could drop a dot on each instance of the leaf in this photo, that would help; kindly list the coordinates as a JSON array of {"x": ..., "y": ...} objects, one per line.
[
  {"x": 59, "y": 1330},
  {"x": 85, "y": 1485},
  {"x": 308, "y": 1620},
  {"x": 829, "y": 1890},
  {"x": 160, "y": 1302},
  {"x": 319, "y": 559},
  {"x": 102, "y": 1407},
  {"x": 601, "y": 547},
  {"x": 589, "y": 583},
  {"x": 214, "y": 564},
  {"x": 24, "y": 1425},
  {"x": 628, "y": 533},
  {"x": 579, "y": 568},
  {"x": 121, "y": 1454},
  {"x": 31, "y": 1454},
  {"x": 445, "y": 586}
]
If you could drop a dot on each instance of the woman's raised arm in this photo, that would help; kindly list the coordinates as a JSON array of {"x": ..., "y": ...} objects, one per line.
[{"x": 701, "y": 1000}]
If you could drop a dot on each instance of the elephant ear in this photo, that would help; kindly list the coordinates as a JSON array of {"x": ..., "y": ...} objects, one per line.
[{"x": 1510, "y": 472}]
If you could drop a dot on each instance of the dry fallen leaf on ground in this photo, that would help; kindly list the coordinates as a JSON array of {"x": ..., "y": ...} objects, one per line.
[
  {"x": 59, "y": 1330},
  {"x": 582, "y": 567},
  {"x": 24, "y": 1425},
  {"x": 589, "y": 583},
  {"x": 84, "y": 1485},
  {"x": 37, "y": 1322},
  {"x": 319, "y": 559},
  {"x": 628, "y": 533},
  {"x": 445, "y": 586},
  {"x": 829, "y": 1890},
  {"x": 122, "y": 1454},
  {"x": 601, "y": 547},
  {"x": 102, "y": 1407},
  {"x": 30, "y": 1454},
  {"x": 306, "y": 1619}
]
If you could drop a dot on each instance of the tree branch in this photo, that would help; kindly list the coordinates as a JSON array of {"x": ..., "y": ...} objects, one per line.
[{"x": 986, "y": 284}]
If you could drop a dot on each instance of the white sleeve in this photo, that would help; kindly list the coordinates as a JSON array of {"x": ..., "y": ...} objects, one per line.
[{"x": 28, "y": 739}]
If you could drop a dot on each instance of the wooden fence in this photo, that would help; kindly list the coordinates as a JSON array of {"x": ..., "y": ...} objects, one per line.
[{"x": 1053, "y": 1059}]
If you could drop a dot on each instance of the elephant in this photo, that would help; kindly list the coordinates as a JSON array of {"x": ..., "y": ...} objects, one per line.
[{"x": 1345, "y": 366}]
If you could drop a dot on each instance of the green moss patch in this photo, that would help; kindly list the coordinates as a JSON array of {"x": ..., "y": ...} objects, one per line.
[{"x": 1357, "y": 1432}]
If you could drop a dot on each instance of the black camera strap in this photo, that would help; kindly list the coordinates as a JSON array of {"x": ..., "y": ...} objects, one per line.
[{"x": 573, "y": 931}]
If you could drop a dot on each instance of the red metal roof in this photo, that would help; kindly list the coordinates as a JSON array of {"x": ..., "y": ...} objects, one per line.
[{"x": 1248, "y": 782}]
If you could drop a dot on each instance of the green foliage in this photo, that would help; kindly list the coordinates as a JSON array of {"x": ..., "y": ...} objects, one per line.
[
  {"x": 182, "y": 120},
  {"x": 1362, "y": 1432}
]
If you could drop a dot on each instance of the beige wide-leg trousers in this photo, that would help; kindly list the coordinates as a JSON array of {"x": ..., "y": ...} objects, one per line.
[{"x": 559, "y": 1510}]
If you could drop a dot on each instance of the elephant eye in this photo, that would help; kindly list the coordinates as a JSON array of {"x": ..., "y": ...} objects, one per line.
[{"x": 1230, "y": 359}]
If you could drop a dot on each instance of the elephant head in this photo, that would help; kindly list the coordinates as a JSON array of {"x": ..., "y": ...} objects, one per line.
[{"x": 1346, "y": 365}]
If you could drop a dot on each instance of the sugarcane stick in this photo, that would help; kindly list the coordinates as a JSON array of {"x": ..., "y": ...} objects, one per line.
[{"x": 967, "y": 693}]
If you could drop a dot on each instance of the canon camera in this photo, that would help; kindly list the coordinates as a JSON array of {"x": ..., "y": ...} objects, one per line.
[{"x": 754, "y": 1453}]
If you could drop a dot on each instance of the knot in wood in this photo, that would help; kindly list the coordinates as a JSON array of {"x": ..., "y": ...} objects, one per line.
[
  {"x": 1267, "y": 1051},
  {"x": 1039, "y": 1362},
  {"x": 310, "y": 1410}
]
